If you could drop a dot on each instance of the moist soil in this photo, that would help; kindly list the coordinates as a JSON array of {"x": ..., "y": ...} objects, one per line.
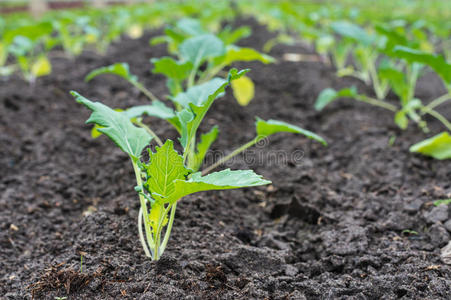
[{"x": 353, "y": 220}]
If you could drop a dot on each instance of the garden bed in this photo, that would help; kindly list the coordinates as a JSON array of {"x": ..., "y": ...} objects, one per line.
[{"x": 351, "y": 220}]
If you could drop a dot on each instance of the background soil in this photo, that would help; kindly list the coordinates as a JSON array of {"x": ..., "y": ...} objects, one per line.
[{"x": 331, "y": 225}]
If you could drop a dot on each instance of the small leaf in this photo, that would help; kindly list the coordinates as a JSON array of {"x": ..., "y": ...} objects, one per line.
[
  {"x": 200, "y": 48},
  {"x": 41, "y": 67},
  {"x": 229, "y": 36},
  {"x": 198, "y": 94},
  {"x": 352, "y": 31},
  {"x": 329, "y": 95},
  {"x": 397, "y": 81},
  {"x": 171, "y": 68},
  {"x": 401, "y": 119},
  {"x": 165, "y": 166},
  {"x": 223, "y": 180},
  {"x": 243, "y": 90},
  {"x": 116, "y": 125},
  {"x": 267, "y": 128},
  {"x": 235, "y": 54},
  {"x": 438, "y": 147},
  {"x": 203, "y": 146},
  {"x": 442, "y": 202},
  {"x": 95, "y": 133},
  {"x": 119, "y": 69},
  {"x": 156, "y": 109}
]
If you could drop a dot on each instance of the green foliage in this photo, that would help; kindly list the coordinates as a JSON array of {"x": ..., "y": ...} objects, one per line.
[
  {"x": 438, "y": 147},
  {"x": 119, "y": 69},
  {"x": 328, "y": 95}
]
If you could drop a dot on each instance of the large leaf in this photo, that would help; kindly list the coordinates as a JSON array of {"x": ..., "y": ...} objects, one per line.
[
  {"x": 191, "y": 117},
  {"x": 439, "y": 146},
  {"x": 198, "y": 94},
  {"x": 190, "y": 27},
  {"x": 203, "y": 146},
  {"x": 352, "y": 31},
  {"x": 329, "y": 95},
  {"x": 165, "y": 166},
  {"x": 171, "y": 68},
  {"x": 116, "y": 126},
  {"x": 200, "y": 48},
  {"x": 119, "y": 69},
  {"x": 436, "y": 62},
  {"x": 223, "y": 180},
  {"x": 267, "y": 128}
]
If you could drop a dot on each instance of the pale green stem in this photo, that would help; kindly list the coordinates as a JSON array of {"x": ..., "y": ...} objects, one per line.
[
  {"x": 439, "y": 101},
  {"x": 142, "y": 201},
  {"x": 440, "y": 117},
  {"x": 377, "y": 103},
  {"x": 232, "y": 154},
  {"x": 169, "y": 228},
  {"x": 145, "y": 91},
  {"x": 141, "y": 235},
  {"x": 150, "y": 131}
]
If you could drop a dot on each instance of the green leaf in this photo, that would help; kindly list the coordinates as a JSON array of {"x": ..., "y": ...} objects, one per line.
[
  {"x": 119, "y": 69},
  {"x": 171, "y": 68},
  {"x": 165, "y": 166},
  {"x": 41, "y": 67},
  {"x": 397, "y": 81},
  {"x": 203, "y": 146},
  {"x": 200, "y": 48},
  {"x": 235, "y": 54},
  {"x": 199, "y": 94},
  {"x": 329, "y": 95},
  {"x": 191, "y": 117},
  {"x": 401, "y": 119},
  {"x": 223, "y": 180},
  {"x": 156, "y": 109},
  {"x": 438, "y": 147},
  {"x": 190, "y": 27},
  {"x": 229, "y": 36},
  {"x": 436, "y": 62},
  {"x": 352, "y": 31},
  {"x": 116, "y": 125},
  {"x": 267, "y": 128}
]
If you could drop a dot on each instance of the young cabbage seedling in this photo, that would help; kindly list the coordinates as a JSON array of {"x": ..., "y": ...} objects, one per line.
[{"x": 168, "y": 176}]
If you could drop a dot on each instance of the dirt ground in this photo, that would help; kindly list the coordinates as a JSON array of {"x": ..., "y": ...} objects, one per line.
[{"x": 331, "y": 226}]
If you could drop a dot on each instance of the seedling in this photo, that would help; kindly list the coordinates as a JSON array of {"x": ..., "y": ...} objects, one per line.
[{"x": 168, "y": 176}]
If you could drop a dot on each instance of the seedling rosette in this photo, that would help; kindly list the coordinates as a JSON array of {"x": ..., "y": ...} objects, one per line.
[{"x": 168, "y": 176}]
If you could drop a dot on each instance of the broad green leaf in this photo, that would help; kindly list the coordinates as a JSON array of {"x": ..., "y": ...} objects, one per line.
[
  {"x": 436, "y": 62},
  {"x": 131, "y": 139},
  {"x": 119, "y": 69},
  {"x": 199, "y": 94},
  {"x": 165, "y": 166},
  {"x": 235, "y": 54},
  {"x": 203, "y": 146},
  {"x": 352, "y": 31},
  {"x": 171, "y": 68},
  {"x": 329, "y": 95},
  {"x": 200, "y": 48},
  {"x": 223, "y": 180},
  {"x": 438, "y": 147},
  {"x": 191, "y": 117},
  {"x": 267, "y": 128},
  {"x": 41, "y": 67},
  {"x": 243, "y": 90}
]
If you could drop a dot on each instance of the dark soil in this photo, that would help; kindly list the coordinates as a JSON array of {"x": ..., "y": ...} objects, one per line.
[{"x": 331, "y": 226}]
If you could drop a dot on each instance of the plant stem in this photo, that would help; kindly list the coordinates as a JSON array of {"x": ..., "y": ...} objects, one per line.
[
  {"x": 143, "y": 209},
  {"x": 440, "y": 100},
  {"x": 377, "y": 103},
  {"x": 141, "y": 235},
  {"x": 169, "y": 228},
  {"x": 232, "y": 154},
  {"x": 145, "y": 91},
  {"x": 150, "y": 131},
  {"x": 439, "y": 117}
]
